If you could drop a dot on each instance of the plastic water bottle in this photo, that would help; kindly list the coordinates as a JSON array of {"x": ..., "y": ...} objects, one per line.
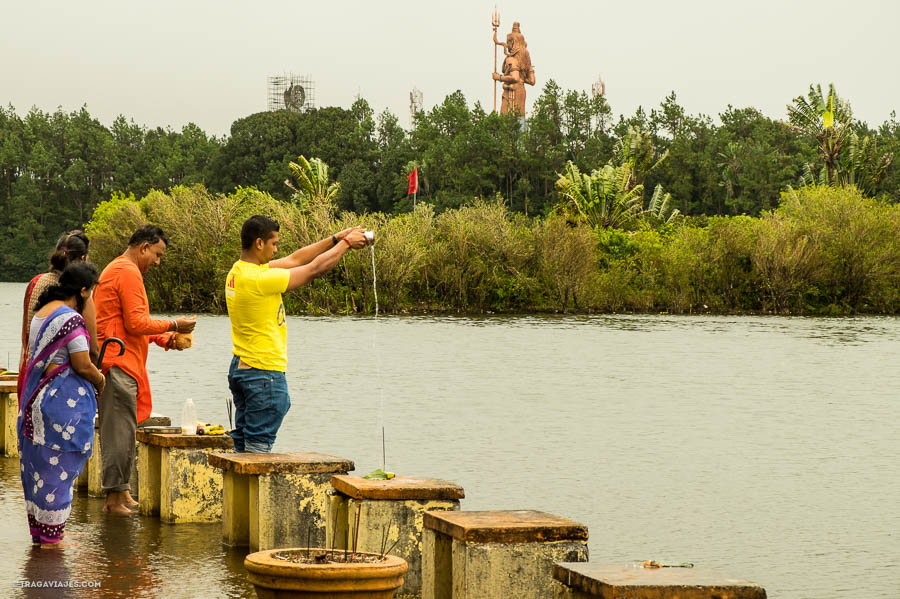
[{"x": 188, "y": 418}]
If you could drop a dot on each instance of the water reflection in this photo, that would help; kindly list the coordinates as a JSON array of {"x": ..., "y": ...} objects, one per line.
[
  {"x": 117, "y": 556},
  {"x": 763, "y": 447}
]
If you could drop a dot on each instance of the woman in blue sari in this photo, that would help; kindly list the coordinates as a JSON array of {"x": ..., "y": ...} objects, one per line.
[{"x": 58, "y": 404}]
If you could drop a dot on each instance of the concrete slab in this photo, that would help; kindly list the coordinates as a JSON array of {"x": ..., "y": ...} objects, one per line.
[
  {"x": 616, "y": 581},
  {"x": 283, "y": 463},
  {"x": 397, "y": 488},
  {"x": 505, "y": 526},
  {"x": 185, "y": 441}
]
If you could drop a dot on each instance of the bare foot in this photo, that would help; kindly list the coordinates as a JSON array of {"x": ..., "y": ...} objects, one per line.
[
  {"x": 117, "y": 508},
  {"x": 128, "y": 500},
  {"x": 58, "y": 545}
]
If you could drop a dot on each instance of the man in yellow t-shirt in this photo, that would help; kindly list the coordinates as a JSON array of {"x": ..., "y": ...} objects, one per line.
[{"x": 253, "y": 291}]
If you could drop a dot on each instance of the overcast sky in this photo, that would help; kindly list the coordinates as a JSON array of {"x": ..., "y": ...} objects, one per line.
[{"x": 170, "y": 62}]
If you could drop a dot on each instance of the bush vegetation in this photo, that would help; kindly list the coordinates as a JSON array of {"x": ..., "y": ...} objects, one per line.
[{"x": 824, "y": 250}]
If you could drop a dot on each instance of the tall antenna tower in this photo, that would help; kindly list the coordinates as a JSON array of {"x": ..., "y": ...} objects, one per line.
[
  {"x": 599, "y": 87},
  {"x": 416, "y": 104},
  {"x": 296, "y": 93}
]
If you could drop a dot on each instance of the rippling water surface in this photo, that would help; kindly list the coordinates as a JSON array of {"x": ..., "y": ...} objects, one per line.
[{"x": 767, "y": 448}]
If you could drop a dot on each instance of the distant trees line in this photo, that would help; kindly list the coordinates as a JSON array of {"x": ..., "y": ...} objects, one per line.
[{"x": 56, "y": 168}]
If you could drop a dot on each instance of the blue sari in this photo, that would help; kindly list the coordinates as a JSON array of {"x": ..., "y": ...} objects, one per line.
[{"x": 55, "y": 427}]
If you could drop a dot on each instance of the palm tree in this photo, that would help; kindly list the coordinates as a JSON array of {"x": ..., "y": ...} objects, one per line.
[
  {"x": 827, "y": 119},
  {"x": 312, "y": 187}
]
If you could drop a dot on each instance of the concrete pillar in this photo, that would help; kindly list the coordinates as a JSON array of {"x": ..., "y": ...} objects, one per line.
[
  {"x": 9, "y": 413},
  {"x": 468, "y": 555},
  {"x": 584, "y": 581},
  {"x": 391, "y": 513},
  {"x": 95, "y": 466},
  {"x": 154, "y": 420},
  {"x": 175, "y": 478},
  {"x": 93, "y": 470},
  {"x": 274, "y": 500}
]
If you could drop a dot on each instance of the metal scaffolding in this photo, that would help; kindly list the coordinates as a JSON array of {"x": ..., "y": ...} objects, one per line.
[
  {"x": 416, "y": 104},
  {"x": 296, "y": 93},
  {"x": 599, "y": 87}
]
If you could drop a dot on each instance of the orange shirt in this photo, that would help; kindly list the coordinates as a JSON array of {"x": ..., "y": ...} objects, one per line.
[{"x": 124, "y": 312}]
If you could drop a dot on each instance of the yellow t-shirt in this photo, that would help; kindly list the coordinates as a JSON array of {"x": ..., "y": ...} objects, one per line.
[{"x": 258, "y": 332}]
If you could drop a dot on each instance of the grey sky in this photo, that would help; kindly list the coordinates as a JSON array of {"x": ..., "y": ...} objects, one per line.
[{"x": 170, "y": 62}]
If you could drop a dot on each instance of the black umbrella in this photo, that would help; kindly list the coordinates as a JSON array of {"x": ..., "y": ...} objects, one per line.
[{"x": 103, "y": 349}]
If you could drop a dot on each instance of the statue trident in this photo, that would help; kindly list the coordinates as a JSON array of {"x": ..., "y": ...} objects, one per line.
[{"x": 495, "y": 22}]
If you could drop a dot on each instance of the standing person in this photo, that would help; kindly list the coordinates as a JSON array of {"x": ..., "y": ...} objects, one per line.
[
  {"x": 253, "y": 291},
  {"x": 56, "y": 417},
  {"x": 124, "y": 312},
  {"x": 70, "y": 247}
]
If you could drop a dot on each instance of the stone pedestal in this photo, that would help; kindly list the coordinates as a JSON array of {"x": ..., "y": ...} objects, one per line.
[
  {"x": 276, "y": 500},
  {"x": 9, "y": 413},
  {"x": 469, "y": 555},
  {"x": 175, "y": 479},
  {"x": 584, "y": 581},
  {"x": 94, "y": 466},
  {"x": 390, "y": 515},
  {"x": 92, "y": 475}
]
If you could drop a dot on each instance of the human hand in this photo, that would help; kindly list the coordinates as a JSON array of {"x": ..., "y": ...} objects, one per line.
[
  {"x": 100, "y": 386},
  {"x": 185, "y": 324},
  {"x": 345, "y": 232},
  {"x": 496, "y": 76},
  {"x": 356, "y": 238}
]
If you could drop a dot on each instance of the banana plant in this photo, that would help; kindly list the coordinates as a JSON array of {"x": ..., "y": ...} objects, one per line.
[
  {"x": 636, "y": 149},
  {"x": 659, "y": 209},
  {"x": 827, "y": 119},
  {"x": 603, "y": 198},
  {"x": 312, "y": 183},
  {"x": 863, "y": 166},
  {"x": 866, "y": 167}
]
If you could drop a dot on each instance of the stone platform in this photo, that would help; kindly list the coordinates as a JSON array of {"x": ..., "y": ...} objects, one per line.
[
  {"x": 470, "y": 555},
  {"x": 394, "y": 509},
  {"x": 175, "y": 478},
  {"x": 274, "y": 500},
  {"x": 614, "y": 581}
]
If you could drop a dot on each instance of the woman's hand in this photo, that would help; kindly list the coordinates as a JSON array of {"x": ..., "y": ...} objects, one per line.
[{"x": 101, "y": 385}]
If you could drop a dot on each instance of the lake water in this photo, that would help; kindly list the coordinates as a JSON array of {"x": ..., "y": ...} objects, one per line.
[{"x": 767, "y": 448}]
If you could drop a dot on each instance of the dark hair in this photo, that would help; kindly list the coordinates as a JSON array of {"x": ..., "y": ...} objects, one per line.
[
  {"x": 150, "y": 234},
  {"x": 70, "y": 247},
  {"x": 76, "y": 276},
  {"x": 257, "y": 227}
]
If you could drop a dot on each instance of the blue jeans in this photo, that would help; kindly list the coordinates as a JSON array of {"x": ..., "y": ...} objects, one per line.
[{"x": 260, "y": 402}]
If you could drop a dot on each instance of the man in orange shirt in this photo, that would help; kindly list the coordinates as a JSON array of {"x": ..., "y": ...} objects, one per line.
[{"x": 124, "y": 312}]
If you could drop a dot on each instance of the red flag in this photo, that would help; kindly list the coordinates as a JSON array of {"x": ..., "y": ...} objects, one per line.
[{"x": 413, "y": 181}]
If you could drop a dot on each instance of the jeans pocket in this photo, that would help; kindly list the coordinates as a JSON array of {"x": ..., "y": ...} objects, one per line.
[{"x": 258, "y": 393}]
